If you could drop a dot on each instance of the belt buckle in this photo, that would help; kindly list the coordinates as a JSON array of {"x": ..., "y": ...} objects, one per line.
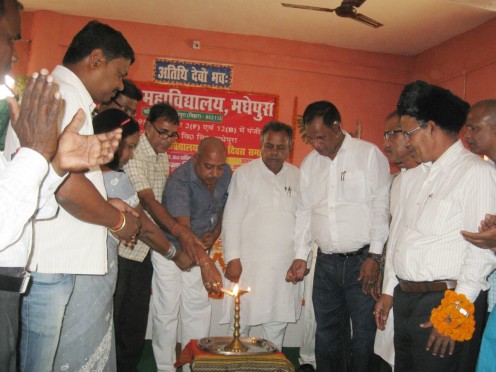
[{"x": 25, "y": 282}]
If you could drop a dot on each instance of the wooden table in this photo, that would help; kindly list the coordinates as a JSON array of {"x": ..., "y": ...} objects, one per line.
[{"x": 203, "y": 361}]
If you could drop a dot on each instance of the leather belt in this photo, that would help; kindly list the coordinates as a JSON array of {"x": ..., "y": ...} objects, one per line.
[
  {"x": 13, "y": 283},
  {"x": 351, "y": 254},
  {"x": 420, "y": 287}
]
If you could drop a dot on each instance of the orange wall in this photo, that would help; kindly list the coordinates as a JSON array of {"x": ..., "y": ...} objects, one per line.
[
  {"x": 364, "y": 86},
  {"x": 465, "y": 64}
]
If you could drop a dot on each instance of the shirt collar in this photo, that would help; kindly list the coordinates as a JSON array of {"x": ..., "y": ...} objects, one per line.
[
  {"x": 264, "y": 167},
  {"x": 147, "y": 148},
  {"x": 70, "y": 77}
]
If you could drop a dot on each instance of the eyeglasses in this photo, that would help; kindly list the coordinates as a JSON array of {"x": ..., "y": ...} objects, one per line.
[
  {"x": 165, "y": 134},
  {"x": 389, "y": 134},
  {"x": 126, "y": 109},
  {"x": 408, "y": 135}
]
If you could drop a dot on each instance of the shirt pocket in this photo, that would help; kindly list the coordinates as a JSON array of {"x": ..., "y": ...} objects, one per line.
[
  {"x": 437, "y": 217},
  {"x": 352, "y": 186}
]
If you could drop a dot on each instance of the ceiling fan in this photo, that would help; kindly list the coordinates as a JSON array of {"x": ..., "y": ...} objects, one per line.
[{"x": 347, "y": 9}]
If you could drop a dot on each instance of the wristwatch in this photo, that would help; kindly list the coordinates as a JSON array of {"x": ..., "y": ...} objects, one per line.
[{"x": 376, "y": 257}]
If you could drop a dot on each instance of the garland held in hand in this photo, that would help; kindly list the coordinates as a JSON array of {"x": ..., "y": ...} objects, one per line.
[{"x": 454, "y": 317}]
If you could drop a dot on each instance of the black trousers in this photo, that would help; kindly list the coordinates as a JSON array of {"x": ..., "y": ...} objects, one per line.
[
  {"x": 412, "y": 309},
  {"x": 131, "y": 305}
]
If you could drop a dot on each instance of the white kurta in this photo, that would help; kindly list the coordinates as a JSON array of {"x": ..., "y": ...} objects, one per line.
[{"x": 258, "y": 227}]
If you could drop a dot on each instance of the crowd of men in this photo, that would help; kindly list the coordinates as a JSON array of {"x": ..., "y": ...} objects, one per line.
[{"x": 421, "y": 242}]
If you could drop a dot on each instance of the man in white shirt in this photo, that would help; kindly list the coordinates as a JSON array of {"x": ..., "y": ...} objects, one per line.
[
  {"x": 259, "y": 219},
  {"x": 398, "y": 153},
  {"x": 36, "y": 125},
  {"x": 74, "y": 241},
  {"x": 343, "y": 207},
  {"x": 480, "y": 134},
  {"x": 451, "y": 191}
]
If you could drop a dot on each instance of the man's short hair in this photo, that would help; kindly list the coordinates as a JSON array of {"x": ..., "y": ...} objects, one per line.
[
  {"x": 163, "y": 109},
  {"x": 130, "y": 90},
  {"x": 325, "y": 109},
  {"x": 427, "y": 102},
  {"x": 2, "y": 6},
  {"x": 96, "y": 35},
  {"x": 277, "y": 126}
]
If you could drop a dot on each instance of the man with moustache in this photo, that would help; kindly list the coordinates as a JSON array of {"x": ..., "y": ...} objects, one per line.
[
  {"x": 343, "y": 207},
  {"x": 257, "y": 236},
  {"x": 42, "y": 160},
  {"x": 74, "y": 241},
  {"x": 450, "y": 191},
  {"x": 398, "y": 153},
  {"x": 195, "y": 195}
]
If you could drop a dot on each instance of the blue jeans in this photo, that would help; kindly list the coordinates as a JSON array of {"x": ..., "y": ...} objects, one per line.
[
  {"x": 42, "y": 313},
  {"x": 337, "y": 296}
]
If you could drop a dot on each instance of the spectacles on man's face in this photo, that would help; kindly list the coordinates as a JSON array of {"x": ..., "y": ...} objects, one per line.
[
  {"x": 165, "y": 134},
  {"x": 390, "y": 134},
  {"x": 128, "y": 110},
  {"x": 408, "y": 135}
]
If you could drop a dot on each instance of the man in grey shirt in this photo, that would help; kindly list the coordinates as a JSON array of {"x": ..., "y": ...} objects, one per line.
[{"x": 194, "y": 195}]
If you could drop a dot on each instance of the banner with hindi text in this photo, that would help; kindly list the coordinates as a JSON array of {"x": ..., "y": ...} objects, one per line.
[{"x": 234, "y": 117}]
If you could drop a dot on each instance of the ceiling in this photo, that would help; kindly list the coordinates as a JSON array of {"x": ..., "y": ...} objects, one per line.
[{"x": 410, "y": 26}]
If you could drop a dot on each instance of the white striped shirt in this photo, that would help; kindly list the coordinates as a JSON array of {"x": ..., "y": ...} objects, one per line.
[
  {"x": 437, "y": 200},
  {"x": 343, "y": 203},
  {"x": 65, "y": 244}
]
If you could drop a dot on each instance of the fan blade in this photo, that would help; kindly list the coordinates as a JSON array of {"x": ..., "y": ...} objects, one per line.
[
  {"x": 354, "y": 3},
  {"x": 307, "y": 7},
  {"x": 366, "y": 20}
]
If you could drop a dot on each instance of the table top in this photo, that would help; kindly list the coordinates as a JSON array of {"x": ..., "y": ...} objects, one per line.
[{"x": 203, "y": 361}]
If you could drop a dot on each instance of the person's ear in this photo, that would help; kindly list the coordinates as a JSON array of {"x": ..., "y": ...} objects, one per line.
[{"x": 96, "y": 58}]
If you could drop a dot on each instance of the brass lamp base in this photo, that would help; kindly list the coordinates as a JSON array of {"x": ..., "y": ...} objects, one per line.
[{"x": 235, "y": 346}]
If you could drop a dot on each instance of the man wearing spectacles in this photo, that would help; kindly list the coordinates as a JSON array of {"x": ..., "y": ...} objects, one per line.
[
  {"x": 126, "y": 100},
  {"x": 149, "y": 171},
  {"x": 398, "y": 153},
  {"x": 451, "y": 191}
]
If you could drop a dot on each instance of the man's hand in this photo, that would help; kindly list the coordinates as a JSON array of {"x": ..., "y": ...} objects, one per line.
[
  {"x": 486, "y": 237},
  {"x": 212, "y": 279},
  {"x": 369, "y": 275},
  {"x": 381, "y": 311},
  {"x": 36, "y": 121},
  {"x": 183, "y": 261},
  {"x": 234, "y": 270},
  {"x": 297, "y": 271},
  {"x": 376, "y": 290},
  {"x": 128, "y": 234},
  {"x": 189, "y": 242},
  {"x": 439, "y": 341},
  {"x": 78, "y": 152},
  {"x": 209, "y": 240}
]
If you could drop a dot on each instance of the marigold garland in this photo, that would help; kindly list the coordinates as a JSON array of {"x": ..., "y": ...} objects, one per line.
[
  {"x": 454, "y": 317},
  {"x": 218, "y": 257}
]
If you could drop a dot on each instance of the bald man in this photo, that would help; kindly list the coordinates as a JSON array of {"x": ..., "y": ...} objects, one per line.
[
  {"x": 480, "y": 135},
  {"x": 194, "y": 195}
]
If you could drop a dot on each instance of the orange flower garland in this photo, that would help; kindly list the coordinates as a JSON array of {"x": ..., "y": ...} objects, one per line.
[
  {"x": 218, "y": 257},
  {"x": 454, "y": 317}
]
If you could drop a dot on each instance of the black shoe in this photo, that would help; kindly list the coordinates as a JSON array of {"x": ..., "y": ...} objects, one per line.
[{"x": 306, "y": 368}]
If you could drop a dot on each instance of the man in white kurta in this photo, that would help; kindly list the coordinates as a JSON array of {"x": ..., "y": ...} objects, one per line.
[{"x": 259, "y": 220}]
